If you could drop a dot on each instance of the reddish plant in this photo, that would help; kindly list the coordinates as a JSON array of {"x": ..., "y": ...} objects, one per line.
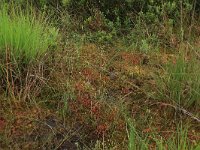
[
  {"x": 102, "y": 129},
  {"x": 2, "y": 124}
]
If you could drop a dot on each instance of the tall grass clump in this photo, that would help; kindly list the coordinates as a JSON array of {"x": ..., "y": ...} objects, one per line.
[
  {"x": 178, "y": 140},
  {"x": 181, "y": 81},
  {"x": 134, "y": 140},
  {"x": 23, "y": 34}
]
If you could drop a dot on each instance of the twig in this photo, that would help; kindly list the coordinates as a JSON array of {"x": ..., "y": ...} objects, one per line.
[{"x": 184, "y": 111}]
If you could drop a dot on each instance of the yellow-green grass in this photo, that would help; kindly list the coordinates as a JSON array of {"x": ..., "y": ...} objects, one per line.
[{"x": 23, "y": 34}]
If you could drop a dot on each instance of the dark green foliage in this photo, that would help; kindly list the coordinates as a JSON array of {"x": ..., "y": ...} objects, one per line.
[
  {"x": 121, "y": 12},
  {"x": 104, "y": 20}
]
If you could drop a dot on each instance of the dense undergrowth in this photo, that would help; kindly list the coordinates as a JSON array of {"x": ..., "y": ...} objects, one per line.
[{"x": 121, "y": 79}]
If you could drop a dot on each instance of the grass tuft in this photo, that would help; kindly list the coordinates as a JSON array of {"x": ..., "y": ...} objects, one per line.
[
  {"x": 23, "y": 34},
  {"x": 181, "y": 82}
]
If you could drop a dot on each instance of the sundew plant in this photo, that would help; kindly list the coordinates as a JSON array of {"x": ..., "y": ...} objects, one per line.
[{"x": 23, "y": 34}]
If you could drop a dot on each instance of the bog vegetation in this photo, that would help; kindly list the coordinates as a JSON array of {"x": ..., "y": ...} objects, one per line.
[{"x": 99, "y": 74}]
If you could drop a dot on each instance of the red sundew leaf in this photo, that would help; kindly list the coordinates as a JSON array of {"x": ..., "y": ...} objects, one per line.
[
  {"x": 85, "y": 101},
  {"x": 147, "y": 130},
  {"x": 90, "y": 74},
  {"x": 95, "y": 110},
  {"x": 2, "y": 124},
  {"x": 79, "y": 87},
  {"x": 125, "y": 90},
  {"x": 102, "y": 128},
  {"x": 133, "y": 59}
]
